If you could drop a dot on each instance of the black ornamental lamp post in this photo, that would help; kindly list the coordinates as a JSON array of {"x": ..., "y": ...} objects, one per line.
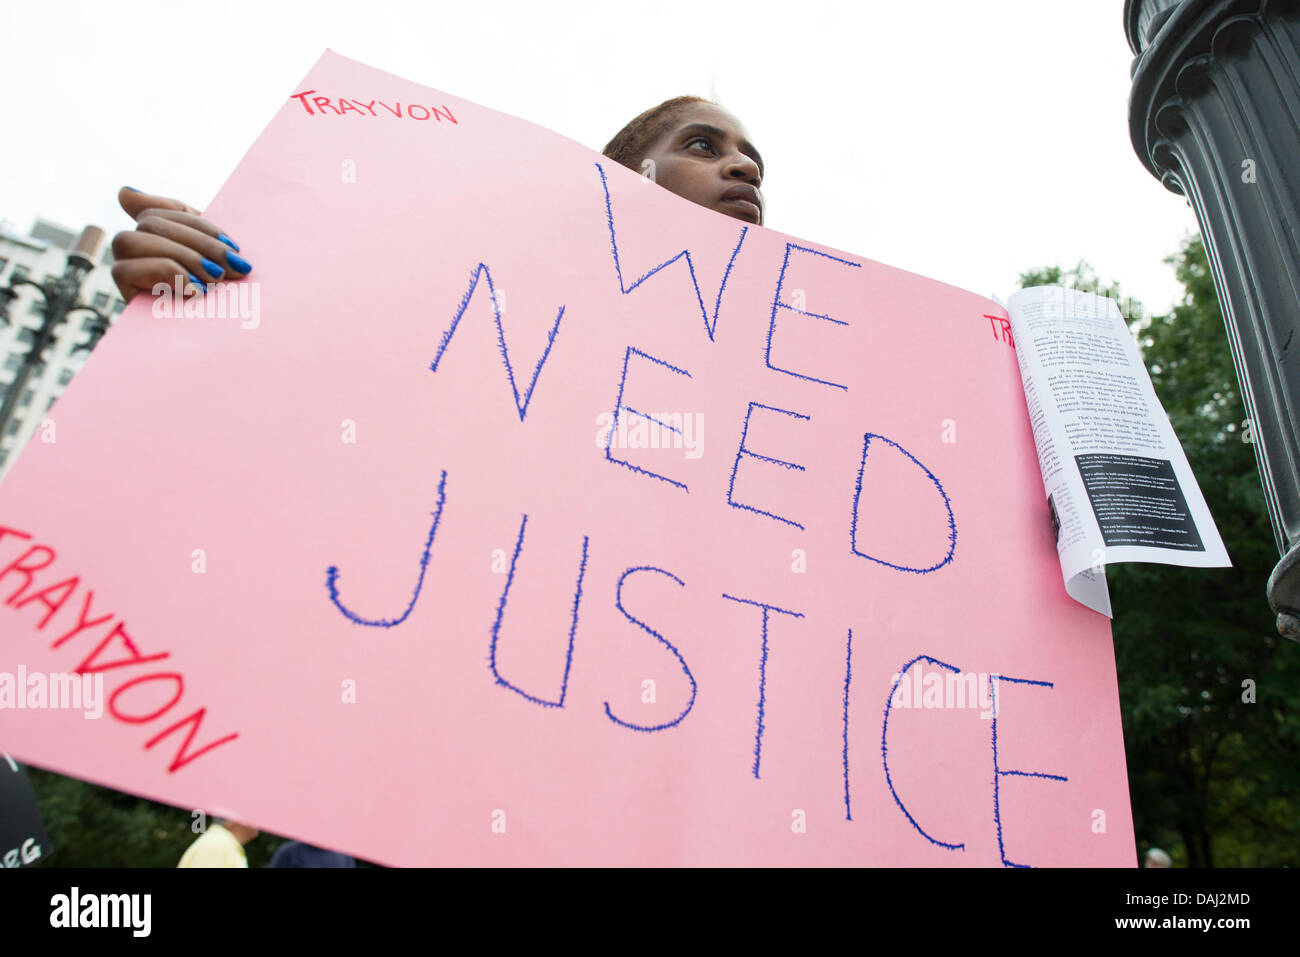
[
  {"x": 1214, "y": 115},
  {"x": 60, "y": 297}
]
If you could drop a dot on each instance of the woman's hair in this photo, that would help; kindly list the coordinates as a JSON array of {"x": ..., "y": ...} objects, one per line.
[{"x": 630, "y": 144}]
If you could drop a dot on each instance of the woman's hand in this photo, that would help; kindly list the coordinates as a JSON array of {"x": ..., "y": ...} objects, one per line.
[{"x": 171, "y": 243}]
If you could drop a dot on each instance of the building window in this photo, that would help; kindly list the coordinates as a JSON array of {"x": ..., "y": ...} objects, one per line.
[
  {"x": 14, "y": 426},
  {"x": 14, "y": 361},
  {"x": 26, "y": 400},
  {"x": 88, "y": 322},
  {"x": 50, "y": 403},
  {"x": 118, "y": 306},
  {"x": 26, "y": 335},
  {"x": 37, "y": 308},
  {"x": 66, "y": 376},
  {"x": 20, "y": 272},
  {"x": 50, "y": 279},
  {"x": 4, "y": 454},
  {"x": 3, "y": 262},
  {"x": 100, "y": 300}
]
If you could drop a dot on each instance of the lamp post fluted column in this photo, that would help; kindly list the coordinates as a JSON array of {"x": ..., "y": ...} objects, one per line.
[{"x": 1215, "y": 116}]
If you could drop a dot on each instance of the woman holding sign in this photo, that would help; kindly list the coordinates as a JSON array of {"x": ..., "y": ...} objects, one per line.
[{"x": 688, "y": 145}]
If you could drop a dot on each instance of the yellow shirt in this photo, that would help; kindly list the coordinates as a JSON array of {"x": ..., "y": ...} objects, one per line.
[{"x": 216, "y": 847}]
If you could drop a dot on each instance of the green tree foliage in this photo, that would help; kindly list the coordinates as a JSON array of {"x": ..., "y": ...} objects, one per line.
[{"x": 1214, "y": 777}]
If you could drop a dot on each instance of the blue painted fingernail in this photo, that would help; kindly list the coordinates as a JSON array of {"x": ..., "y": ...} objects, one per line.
[
  {"x": 212, "y": 269},
  {"x": 228, "y": 241},
  {"x": 238, "y": 264},
  {"x": 133, "y": 189},
  {"x": 198, "y": 282}
]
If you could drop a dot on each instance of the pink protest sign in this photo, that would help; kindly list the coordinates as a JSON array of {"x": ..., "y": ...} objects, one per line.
[{"x": 517, "y": 511}]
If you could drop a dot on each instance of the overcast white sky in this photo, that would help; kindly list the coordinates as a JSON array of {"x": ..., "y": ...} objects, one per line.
[{"x": 964, "y": 141}]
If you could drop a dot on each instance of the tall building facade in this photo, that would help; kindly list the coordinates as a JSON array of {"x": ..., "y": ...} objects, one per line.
[{"x": 42, "y": 256}]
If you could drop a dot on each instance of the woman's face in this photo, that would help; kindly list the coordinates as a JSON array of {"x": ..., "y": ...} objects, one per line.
[{"x": 706, "y": 157}]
